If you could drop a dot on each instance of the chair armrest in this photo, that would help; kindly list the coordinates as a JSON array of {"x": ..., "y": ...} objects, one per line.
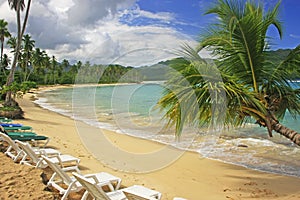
[
  {"x": 93, "y": 176},
  {"x": 70, "y": 169}
]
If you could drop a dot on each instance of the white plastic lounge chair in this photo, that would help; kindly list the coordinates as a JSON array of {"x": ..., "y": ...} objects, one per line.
[
  {"x": 33, "y": 158},
  {"x": 134, "y": 192},
  {"x": 14, "y": 152},
  {"x": 131, "y": 196},
  {"x": 60, "y": 176}
]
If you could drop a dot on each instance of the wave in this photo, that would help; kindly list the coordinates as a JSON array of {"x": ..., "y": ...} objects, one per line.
[{"x": 243, "y": 147}]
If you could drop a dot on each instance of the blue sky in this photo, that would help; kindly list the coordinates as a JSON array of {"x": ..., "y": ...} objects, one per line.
[
  {"x": 129, "y": 32},
  {"x": 290, "y": 15},
  {"x": 191, "y": 14}
]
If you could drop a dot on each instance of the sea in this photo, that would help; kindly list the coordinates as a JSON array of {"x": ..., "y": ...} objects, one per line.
[{"x": 132, "y": 109}]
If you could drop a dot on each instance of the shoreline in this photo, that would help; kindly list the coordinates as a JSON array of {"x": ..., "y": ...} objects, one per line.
[
  {"x": 105, "y": 125},
  {"x": 190, "y": 176}
]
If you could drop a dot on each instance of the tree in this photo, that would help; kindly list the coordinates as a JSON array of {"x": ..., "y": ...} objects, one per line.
[
  {"x": 245, "y": 80},
  {"x": 5, "y": 62},
  {"x": 4, "y": 33},
  {"x": 18, "y": 6},
  {"x": 38, "y": 61},
  {"x": 12, "y": 43},
  {"x": 54, "y": 65},
  {"x": 26, "y": 56}
]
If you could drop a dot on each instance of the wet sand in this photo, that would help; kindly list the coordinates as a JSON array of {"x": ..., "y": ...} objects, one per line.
[{"x": 138, "y": 161}]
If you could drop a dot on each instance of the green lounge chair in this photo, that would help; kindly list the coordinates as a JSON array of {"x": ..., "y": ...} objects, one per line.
[
  {"x": 17, "y": 128},
  {"x": 5, "y": 120},
  {"x": 35, "y": 139},
  {"x": 21, "y": 134}
]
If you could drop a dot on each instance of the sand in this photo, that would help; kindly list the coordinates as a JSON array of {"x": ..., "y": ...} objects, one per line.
[{"x": 189, "y": 176}]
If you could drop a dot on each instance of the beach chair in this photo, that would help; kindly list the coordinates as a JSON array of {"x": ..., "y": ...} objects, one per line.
[
  {"x": 60, "y": 176},
  {"x": 33, "y": 158},
  {"x": 13, "y": 150},
  {"x": 17, "y": 128},
  {"x": 5, "y": 120},
  {"x": 20, "y": 134},
  {"x": 29, "y": 137},
  {"x": 134, "y": 192},
  {"x": 16, "y": 153},
  {"x": 131, "y": 196},
  {"x": 10, "y": 125}
]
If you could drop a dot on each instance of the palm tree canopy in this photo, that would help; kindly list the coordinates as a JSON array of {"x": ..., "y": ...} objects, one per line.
[
  {"x": 239, "y": 38},
  {"x": 4, "y": 33},
  {"x": 244, "y": 83},
  {"x": 16, "y": 5},
  {"x": 28, "y": 43}
]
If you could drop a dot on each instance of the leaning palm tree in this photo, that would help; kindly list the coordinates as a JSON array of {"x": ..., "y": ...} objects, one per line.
[
  {"x": 18, "y": 6},
  {"x": 243, "y": 83}
]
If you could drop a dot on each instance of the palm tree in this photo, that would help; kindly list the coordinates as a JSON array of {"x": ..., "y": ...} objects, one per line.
[
  {"x": 245, "y": 83},
  {"x": 27, "y": 50},
  {"x": 18, "y": 6},
  {"x": 39, "y": 62},
  {"x": 4, "y": 33},
  {"x": 12, "y": 43},
  {"x": 54, "y": 65},
  {"x": 5, "y": 63}
]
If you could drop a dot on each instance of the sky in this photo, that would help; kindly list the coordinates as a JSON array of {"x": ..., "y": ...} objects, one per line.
[{"x": 130, "y": 32}]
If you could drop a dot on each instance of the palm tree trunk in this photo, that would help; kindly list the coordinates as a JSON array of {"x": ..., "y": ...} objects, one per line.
[
  {"x": 26, "y": 17},
  {"x": 2, "y": 47},
  {"x": 1, "y": 62},
  {"x": 288, "y": 133},
  {"x": 8, "y": 99}
]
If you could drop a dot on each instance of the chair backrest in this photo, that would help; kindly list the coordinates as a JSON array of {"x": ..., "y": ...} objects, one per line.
[
  {"x": 10, "y": 142},
  {"x": 131, "y": 196},
  {"x": 2, "y": 130},
  {"x": 93, "y": 189},
  {"x": 29, "y": 151},
  {"x": 58, "y": 170}
]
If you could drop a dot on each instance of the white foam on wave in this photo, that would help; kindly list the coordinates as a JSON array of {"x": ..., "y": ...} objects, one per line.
[
  {"x": 209, "y": 145},
  {"x": 42, "y": 102},
  {"x": 254, "y": 155}
]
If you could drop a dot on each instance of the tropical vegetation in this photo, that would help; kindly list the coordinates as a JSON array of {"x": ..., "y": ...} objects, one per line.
[
  {"x": 31, "y": 66},
  {"x": 244, "y": 83},
  {"x": 18, "y": 6},
  {"x": 4, "y": 33}
]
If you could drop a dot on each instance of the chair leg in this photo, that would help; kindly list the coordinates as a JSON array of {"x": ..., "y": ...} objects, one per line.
[
  {"x": 85, "y": 195},
  {"x": 67, "y": 191},
  {"x": 19, "y": 155}
]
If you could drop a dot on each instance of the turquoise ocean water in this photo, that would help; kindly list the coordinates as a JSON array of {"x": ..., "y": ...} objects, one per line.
[{"x": 130, "y": 109}]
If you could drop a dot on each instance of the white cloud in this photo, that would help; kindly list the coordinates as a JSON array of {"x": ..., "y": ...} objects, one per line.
[
  {"x": 164, "y": 16},
  {"x": 88, "y": 12},
  {"x": 6, "y": 12},
  {"x": 295, "y": 36},
  {"x": 91, "y": 30},
  {"x": 127, "y": 45}
]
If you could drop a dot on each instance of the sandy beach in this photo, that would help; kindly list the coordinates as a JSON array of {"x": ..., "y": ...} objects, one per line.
[{"x": 190, "y": 176}]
